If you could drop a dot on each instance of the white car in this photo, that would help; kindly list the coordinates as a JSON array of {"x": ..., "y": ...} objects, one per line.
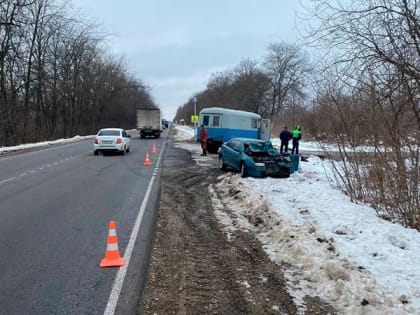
[{"x": 111, "y": 140}]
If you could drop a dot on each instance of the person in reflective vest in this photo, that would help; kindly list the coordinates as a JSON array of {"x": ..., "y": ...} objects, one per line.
[
  {"x": 296, "y": 136},
  {"x": 203, "y": 139}
]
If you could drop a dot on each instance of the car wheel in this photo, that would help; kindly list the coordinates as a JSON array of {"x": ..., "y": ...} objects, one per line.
[
  {"x": 222, "y": 164},
  {"x": 243, "y": 170},
  {"x": 128, "y": 149},
  {"x": 212, "y": 148},
  {"x": 123, "y": 151},
  {"x": 95, "y": 152}
]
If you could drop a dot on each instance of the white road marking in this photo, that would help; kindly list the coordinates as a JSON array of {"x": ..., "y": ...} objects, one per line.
[
  {"x": 34, "y": 171},
  {"x": 119, "y": 280},
  {"x": 7, "y": 180}
]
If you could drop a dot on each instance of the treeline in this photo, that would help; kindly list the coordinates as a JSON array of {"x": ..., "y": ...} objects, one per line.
[
  {"x": 362, "y": 87},
  {"x": 56, "y": 78},
  {"x": 275, "y": 88}
]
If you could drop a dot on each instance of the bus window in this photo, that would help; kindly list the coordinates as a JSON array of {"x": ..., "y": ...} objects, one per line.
[
  {"x": 205, "y": 120},
  {"x": 254, "y": 123},
  {"x": 216, "y": 121}
]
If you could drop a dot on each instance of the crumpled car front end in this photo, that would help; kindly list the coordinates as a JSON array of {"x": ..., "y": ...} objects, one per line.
[
  {"x": 275, "y": 166},
  {"x": 268, "y": 162}
]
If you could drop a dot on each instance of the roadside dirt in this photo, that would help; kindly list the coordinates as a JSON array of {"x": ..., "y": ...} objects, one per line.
[{"x": 195, "y": 267}]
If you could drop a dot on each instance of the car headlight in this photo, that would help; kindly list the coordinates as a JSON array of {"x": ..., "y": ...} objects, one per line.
[{"x": 259, "y": 164}]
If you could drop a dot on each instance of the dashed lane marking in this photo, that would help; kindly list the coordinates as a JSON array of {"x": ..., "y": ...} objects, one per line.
[{"x": 38, "y": 169}]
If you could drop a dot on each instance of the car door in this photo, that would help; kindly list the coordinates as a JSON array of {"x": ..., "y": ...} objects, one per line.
[
  {"x": 233, "y": 154},
  {"x": 237, "y": 155}
]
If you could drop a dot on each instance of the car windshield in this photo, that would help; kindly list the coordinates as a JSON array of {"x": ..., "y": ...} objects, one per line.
[
  {"x": 109, "y": 133},
  {"x": 260, "y": 146}
]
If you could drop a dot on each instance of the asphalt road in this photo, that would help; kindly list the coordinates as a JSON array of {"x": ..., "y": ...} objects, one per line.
[{"x": 55, "y": 207}]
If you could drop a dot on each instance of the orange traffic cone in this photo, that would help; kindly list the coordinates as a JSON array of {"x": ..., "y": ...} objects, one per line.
[
  {"x": 147, "y": 160},
  {"x": 112, "y": 254},
  {"x": 154, "y": 149}
]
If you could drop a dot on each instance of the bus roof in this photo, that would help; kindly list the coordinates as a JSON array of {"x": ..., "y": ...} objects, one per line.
[{"x": 227, "y": 111}]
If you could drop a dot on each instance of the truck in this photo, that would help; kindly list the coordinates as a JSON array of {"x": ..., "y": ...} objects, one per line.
[
  {"x": 223, "y": 124},
  {"x": 149, "y": 122}
]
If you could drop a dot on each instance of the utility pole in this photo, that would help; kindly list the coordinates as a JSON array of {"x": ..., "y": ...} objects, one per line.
[{"x": 195, "y": 114}]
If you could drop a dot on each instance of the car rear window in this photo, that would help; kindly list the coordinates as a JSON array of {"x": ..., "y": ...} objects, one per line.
[{"x": 109, "y": 133}]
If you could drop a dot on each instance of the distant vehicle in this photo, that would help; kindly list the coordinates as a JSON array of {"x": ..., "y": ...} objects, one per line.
[
  {"x": 111, "y": 140},
  {"x": 253, "y": 157},
  {"x": 149, "y": 123},
  {"x": 223, "y": 124},
  {"x": 165, "y": 123}
]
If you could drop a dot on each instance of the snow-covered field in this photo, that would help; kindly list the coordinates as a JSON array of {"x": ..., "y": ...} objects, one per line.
[{"x": 336, "y": 249}]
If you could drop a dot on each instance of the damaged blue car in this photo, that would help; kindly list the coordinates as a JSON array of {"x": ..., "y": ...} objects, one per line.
[{"x": 253, "y": 157}]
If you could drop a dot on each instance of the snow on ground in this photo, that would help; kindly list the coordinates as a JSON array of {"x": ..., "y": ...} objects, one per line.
[
  {"x": 42, "y": 144},
  {"x": 327, "y": 245},
  {"x": 333, "y": 248}
]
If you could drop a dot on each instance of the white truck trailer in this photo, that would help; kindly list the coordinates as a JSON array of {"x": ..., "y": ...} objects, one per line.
[{"x": 149, "y": 122}]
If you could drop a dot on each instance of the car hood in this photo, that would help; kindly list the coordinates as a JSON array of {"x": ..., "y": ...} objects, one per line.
[{"x": 264, "y": 153}]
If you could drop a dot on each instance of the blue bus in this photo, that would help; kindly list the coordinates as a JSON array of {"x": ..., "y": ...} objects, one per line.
[{"x": 224, "y": 124}]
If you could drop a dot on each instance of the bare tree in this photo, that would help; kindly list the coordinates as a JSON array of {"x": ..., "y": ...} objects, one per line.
[
  {"x": 268, "y": 91},
  {"x": 246, "y": 87},
  {"x": 373, "y": 53},
  {"x": 250, "y": 88},
  {"x": 287, "y": 67},
  {"x": 11, "y": 31},
  {"x": 56, "y": 79}
]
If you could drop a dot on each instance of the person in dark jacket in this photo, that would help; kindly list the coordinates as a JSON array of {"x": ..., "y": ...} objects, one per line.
[
  {"x": 296, "y": 136},
  {"x": 285, "y": 136},
  {"x": 203, "y": 139}
]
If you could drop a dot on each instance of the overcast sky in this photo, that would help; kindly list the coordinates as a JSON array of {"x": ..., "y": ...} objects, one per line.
[{"x": 175, "y": 45}]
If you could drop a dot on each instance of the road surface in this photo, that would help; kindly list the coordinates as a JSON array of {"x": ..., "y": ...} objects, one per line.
[{"x": 55, "y": 207}]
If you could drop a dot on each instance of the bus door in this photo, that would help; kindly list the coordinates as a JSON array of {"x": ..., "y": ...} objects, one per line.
[{"x": 265, "y": 129}]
